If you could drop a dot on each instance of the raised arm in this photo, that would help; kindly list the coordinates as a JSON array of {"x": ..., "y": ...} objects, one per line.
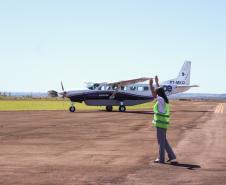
[
  {"x": 152, "y": 88},
  {"x": 157, "y": 81}
]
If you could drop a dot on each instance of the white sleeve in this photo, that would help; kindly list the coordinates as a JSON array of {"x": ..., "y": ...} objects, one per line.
[{"x": 161, "y": 104}]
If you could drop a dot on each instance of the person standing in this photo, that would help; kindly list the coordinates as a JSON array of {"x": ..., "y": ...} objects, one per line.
[{"x": 161, "y": 121}]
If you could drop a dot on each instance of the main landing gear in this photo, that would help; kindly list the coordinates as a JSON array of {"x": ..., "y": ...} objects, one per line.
[
  {"x": 109, "y": 108},
  {"x": 122, "y": 108}
]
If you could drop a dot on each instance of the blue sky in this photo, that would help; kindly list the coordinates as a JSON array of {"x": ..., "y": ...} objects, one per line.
[{"x": 45, "y": 41}]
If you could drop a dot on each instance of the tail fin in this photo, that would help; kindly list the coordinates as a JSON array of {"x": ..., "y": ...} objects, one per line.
[{"x": 183, "y": 77}]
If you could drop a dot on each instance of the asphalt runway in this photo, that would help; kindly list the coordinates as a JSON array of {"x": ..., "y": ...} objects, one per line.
[{"x": 98, "y": 147}]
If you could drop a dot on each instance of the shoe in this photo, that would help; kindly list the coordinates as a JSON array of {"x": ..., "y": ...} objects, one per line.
[
  {"x": 158, "y": 161},
  {"x": 171, "y": 161}
]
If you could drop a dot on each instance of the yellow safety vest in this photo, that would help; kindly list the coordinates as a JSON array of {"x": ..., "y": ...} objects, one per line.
[{"x": 161, "y": 120}]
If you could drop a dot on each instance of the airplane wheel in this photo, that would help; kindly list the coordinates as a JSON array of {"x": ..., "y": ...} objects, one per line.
[
  {"x": 72, "y": 109},
  {"x": 109, "y": 108},
  {"x": 122, "y": 108}
]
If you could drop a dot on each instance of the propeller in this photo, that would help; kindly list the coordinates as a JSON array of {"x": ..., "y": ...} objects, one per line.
[{"x": 64, "y": 93}]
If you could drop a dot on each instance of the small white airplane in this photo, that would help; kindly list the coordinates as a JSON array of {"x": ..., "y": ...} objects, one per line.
[{"x": 126, "y": 93}]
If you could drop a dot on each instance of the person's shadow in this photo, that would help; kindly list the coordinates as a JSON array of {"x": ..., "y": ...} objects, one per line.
[{"x": 184, "y": 165}]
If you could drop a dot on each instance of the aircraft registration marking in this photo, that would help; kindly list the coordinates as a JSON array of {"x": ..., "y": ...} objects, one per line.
[{"x": 219, "y": 108}]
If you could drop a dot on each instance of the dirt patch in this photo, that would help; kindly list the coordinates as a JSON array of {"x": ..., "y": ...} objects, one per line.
[{"x": 88, "y": 147}]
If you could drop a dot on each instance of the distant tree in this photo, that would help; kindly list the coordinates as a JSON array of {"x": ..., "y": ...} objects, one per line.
[{"x": 52, "y": 94}]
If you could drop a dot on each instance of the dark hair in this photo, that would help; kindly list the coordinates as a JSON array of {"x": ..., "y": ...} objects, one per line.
[{"x": 160, "y": 92}]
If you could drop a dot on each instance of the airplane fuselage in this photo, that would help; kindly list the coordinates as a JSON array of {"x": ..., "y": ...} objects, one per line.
[{"x": 109, "y": 97}]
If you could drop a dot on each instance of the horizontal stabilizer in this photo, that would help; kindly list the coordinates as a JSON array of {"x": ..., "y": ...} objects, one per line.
[{"x": 187, "y": 86}]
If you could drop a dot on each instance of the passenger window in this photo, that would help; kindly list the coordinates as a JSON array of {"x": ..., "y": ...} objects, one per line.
[
  {"x": 140, "y": 88},
  {"x": 123, "y": 88},
  {"x": 133, "y": 88},
  {"x": 101, "y": 88},
  {"x": 108, "y": 88},
  {"x": 146, "y": 88},
  {"x": 115, "y": 87}
]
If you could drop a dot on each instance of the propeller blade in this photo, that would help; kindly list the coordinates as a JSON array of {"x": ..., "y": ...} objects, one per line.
[
  {"x": 64, "y": 93},
  {"x": 62, "y": 86}
]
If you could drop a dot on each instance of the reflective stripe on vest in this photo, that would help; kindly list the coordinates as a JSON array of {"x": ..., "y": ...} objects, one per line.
[{"x": 161, "y": 120}]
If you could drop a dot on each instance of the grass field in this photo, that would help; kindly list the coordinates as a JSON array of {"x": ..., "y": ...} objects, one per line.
[{"x": 17, "y": 105}]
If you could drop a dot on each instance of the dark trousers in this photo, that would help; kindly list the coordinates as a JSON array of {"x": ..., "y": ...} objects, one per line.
[{"x": 164, "y": 145}]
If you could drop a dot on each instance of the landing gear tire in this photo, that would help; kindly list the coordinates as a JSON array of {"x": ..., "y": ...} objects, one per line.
[
  {"x": 72, "y": 109},
  {"x": 109, "y": 108},
  {"x": 122, "y": 108}
]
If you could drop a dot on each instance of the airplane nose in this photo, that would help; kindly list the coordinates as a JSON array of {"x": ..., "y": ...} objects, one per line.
[{"x": 63, "y": 94}]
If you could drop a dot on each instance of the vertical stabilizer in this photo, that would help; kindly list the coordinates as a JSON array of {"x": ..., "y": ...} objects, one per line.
[{"x": 183, "y": 77}]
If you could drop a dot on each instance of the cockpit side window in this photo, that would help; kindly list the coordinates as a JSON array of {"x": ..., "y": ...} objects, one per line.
[{"x": 96, "y": 85}]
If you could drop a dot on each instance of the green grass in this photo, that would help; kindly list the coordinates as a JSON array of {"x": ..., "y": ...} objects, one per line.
[{"x": 16, "y": 105}]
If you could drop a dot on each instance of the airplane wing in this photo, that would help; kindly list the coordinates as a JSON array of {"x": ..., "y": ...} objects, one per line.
[{"x": 128, "y": 82}]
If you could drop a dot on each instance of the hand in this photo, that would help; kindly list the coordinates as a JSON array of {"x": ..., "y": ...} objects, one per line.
[
  {"x": 151, "y": 81},
  {"x": 156, "y": 79},
  {"x": 152, "y": 88}
]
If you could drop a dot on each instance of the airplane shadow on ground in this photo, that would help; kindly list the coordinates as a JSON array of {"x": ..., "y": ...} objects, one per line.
[
  {"x": 184, "y": 165},
  {"x": 137, "y": 111},
  {"x": 151, "y": 112},
  {"x": 129, "y": 111}
]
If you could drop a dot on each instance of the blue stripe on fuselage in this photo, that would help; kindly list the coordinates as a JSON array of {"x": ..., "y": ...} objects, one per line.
[{"x": 107, "y": 95}]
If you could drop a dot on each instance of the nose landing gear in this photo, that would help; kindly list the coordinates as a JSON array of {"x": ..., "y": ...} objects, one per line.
[{"x": 72, "y": 107}]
